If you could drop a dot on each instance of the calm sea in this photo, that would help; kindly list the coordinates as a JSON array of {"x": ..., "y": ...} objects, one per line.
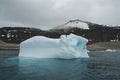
[{"x": 100, "y": 66}]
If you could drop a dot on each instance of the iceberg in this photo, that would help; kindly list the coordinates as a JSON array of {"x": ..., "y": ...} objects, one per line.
[{"x": 67, "y": 47}]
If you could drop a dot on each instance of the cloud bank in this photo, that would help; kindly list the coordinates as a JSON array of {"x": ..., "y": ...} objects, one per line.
[{"x": 45, "y": 14}]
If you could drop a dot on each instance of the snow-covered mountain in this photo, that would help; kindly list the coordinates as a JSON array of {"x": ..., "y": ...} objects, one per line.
[
  {"x": 73, "y": 23},
  {"x": 84, "y": 25},
  {"x": 92, "y": 31}
]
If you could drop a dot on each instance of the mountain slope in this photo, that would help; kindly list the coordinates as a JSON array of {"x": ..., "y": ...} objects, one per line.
[
  {"x": 94, "y": 32},
  {"x": 85, "y": 25},
  {"x": 72, "y": 24}
]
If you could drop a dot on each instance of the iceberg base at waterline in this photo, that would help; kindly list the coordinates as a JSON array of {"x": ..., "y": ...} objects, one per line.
[{"x": 67, "y": 47}]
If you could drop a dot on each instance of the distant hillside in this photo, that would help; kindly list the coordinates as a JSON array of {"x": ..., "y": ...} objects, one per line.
[
  {"x": 92, "y": 31},
  {"x": 18, "y": 34}
]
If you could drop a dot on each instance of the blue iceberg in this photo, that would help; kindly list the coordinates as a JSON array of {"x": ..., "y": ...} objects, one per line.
[{"x": 67, "y": 47}]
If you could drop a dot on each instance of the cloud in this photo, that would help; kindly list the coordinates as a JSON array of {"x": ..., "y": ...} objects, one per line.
[
  {"x": 106, "y": 12},
  {"x": 49, "y": 13}
]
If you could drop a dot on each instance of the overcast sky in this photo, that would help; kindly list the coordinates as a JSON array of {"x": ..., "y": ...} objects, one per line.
[{"x": 46, "y": 14}]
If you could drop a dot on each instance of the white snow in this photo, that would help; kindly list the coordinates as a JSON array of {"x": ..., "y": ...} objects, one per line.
[
  {"x": 8, "y": 35},
  {"x": 77, "y": 24},
  {"x": 67, "y": 47},
  {"x": 2, "y": 35},
  {"x": 74, "y": 23}
]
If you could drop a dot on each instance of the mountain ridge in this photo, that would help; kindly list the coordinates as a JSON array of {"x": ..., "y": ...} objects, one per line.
[
  {"x": 87, "y": 22},
  {"x": 94, "y": 32}
]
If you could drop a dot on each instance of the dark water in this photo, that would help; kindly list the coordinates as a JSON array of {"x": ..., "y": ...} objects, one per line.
[{"x": 100, "y": 66}]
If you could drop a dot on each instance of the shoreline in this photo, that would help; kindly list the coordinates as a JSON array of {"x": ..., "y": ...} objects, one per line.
[
  {"x": 104, "y": 46},
  {"x": 91, "y": 47}
]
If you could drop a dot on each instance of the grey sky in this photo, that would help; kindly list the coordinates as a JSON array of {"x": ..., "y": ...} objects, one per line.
[{"x": 46, "y": 14}]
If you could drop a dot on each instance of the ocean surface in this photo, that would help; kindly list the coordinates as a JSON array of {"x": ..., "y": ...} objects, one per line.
[{"x": 100, "y": 66}]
